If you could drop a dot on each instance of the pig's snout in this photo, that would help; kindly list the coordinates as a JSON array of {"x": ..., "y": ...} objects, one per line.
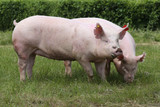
[
  {"x": 129, "y": 78},
  {"x": 118, "y": 52}
]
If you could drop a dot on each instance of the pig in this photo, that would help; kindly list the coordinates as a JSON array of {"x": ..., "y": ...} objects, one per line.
[
  {"x": 126, "y": 64},
  {"x": 65, "y": 39}
]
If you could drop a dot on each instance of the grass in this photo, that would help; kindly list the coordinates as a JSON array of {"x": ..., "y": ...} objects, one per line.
[
  {"x": 133, "y": 1},
  {"x": 145, "y": 36},
  {"x": 45, "y": 0},
  {"x": 5, "y": 38},
  {"x": 50, "y": 87}
]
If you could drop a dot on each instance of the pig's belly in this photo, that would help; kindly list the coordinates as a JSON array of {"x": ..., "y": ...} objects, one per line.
[{"x": 56, "y": 56}]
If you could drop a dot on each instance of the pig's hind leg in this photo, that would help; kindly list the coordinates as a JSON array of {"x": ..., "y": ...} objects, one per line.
[
  {"x": 30, "y": 64},
  {"x": 23, "y": 53},
  {"x": 22, "y": 63},
  {"x": 26, "y": 63}
]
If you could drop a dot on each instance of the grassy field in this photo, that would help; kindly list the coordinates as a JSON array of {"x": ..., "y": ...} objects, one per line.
[
  {"x": 132, "y": 1},
  {"x": 50, "y": 87}
]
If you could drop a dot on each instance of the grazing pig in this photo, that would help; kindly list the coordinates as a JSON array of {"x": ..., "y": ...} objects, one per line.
[
  {"x": 65, "y": 39},
  {"x": 127, "y": 66}
]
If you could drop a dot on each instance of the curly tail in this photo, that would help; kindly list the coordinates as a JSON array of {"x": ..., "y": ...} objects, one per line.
[{"x": 15, "y": 23}]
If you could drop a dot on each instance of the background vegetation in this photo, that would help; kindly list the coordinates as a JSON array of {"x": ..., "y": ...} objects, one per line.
[{"x": 139, "y": 13}]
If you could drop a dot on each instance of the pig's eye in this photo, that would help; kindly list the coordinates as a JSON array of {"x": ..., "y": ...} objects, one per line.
[{"x": 106, "y": 41}]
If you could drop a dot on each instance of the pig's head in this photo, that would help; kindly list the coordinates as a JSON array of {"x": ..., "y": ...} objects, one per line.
[
  {"x": 127, "y": 67},
  {"x": 109, "y": 41}
]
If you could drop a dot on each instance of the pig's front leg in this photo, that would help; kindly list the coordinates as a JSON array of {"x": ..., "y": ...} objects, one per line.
[
  {"x": 100, "y": 68},
  {"x": 68, "y": 70},
  {"x": 88, "y": 68},
  {"x": 108, "y": 67}
]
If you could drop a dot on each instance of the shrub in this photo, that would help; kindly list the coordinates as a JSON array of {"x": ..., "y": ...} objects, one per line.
[{"x": 139, "y": 15}]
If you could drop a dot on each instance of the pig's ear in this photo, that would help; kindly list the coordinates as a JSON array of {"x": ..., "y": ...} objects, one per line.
[
  {"x": 123, "y": 31},
  {"x": 98, "y": 31},
  {"x": 140, "y": 58}
]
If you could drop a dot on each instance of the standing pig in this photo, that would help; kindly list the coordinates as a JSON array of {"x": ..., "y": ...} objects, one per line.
[
  {"x": 126, "y": 64},
  {"x": 65, "y": 39},
  {"x": 107, "y": 25}
]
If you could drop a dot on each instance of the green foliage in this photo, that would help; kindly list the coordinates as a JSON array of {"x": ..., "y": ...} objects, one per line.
[
  {"x": 144, "y": 14},
  {"x": 19, "y": 10}
]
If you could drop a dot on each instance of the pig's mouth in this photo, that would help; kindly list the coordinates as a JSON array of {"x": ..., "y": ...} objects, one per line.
[
  {"x": 129, "y": 81},
  {"x": 113, "y": 55},
  {"x": 117, "y": 53}
]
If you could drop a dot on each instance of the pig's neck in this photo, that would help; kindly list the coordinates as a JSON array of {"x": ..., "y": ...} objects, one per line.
[{"x": 127, "y": 45}]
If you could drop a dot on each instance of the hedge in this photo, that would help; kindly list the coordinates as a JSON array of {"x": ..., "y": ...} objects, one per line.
[{"x": 143, "y": 15}]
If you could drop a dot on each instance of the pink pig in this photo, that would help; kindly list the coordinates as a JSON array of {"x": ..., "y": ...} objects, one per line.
[
  {"x": 65, "y": 39},
  {"x": 126, "y": 64}
]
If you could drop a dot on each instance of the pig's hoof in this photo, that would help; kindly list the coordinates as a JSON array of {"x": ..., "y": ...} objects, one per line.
[
  {"x": 22, "y": 78},
  {"x": 29, "y": 78},
  {"x": 68, "y": 74},
  {"x": 90, "y": 78}
]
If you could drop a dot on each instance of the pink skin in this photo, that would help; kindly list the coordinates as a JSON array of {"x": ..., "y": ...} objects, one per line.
[
  {"x": 111, "y": 27},
  {"x": 125, "y": 64},
  {"x": 128, "y": 64},
  {"x": 64, "y": 39}
]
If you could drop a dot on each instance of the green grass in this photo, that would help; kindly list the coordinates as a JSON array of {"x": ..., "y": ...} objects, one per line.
[
  {"x": 132, "y": 1},
  {"x": 45, "y": 0},
  {"x": 50, "y": 87},
  {"x": 5, "y": 38},
  {"x": 145, "y": 36}
]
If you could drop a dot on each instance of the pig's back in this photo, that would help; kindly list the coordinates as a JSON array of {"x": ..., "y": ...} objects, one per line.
[
  {"x": 109, "y": 26},
  {"x": 127, "y": 44},
  {"x": 41, "y": 29}
]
